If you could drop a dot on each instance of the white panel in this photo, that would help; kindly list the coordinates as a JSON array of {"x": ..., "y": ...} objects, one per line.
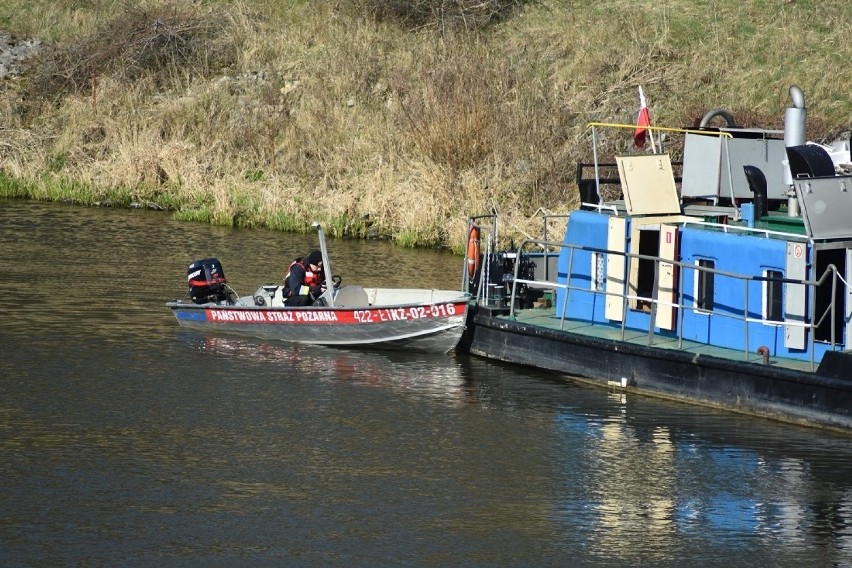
[
  {"x": 702, "y": 156},
  {"x": 825, "y": 204},
  {"x": 667, "y": 279},
  {"x": 615, "y": 268},
  {"x": 795, "y": 295},
  {"x": 648, "y": 184},
  {"x": 633, "y": 264}
]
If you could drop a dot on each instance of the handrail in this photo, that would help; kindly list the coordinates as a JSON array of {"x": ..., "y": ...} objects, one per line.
[
  {"x": 545, "y": 219},
  {"x": 601, "y": 206},
  {"x": 471, "y": 222},
  {"x": 515, "y": 278},
  {"x": 812, "y": 324},
  {"x": 718, "y": 133},
  {"x": 725, "y": 228}
]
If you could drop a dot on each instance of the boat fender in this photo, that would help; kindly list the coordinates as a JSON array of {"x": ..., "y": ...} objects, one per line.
[
  {"x": 473, "y": 256},
  {"x": 764, "y": 350}
]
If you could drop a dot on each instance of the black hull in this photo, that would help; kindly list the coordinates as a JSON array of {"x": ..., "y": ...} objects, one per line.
[{"x": 822, "y": 399}]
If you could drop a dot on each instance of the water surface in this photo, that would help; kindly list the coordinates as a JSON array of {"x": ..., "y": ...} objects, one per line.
[{"x": 125, "y": 440}]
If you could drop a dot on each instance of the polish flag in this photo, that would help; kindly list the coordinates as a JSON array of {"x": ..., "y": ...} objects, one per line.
[{"x": 643, "y": 121}]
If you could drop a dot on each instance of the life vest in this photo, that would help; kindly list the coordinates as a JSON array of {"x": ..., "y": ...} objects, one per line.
[{"x": 311, "y": 279}]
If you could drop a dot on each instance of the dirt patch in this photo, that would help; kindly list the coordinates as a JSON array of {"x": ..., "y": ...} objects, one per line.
[{"x": 14, "y": 53}]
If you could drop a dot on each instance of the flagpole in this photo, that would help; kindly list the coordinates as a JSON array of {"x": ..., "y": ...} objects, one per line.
[
  {"x": 643, "y": 124},
  {"x": 650, "y": 132}
]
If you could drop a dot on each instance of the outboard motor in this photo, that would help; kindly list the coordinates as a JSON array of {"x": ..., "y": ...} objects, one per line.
[
  {"x": 206, "y": 281},
  {"x": 503, "y": 277}
]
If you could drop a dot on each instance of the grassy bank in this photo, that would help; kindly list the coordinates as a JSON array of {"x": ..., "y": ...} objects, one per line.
[{"x": 273, "y": 113}]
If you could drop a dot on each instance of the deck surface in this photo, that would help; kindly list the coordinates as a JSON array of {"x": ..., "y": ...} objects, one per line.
[{"x": 545, "y": 317}]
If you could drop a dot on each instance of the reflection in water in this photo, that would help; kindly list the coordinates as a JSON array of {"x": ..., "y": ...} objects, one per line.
[
  {"x": 126, "y": 440},
  {"x": 633, "y": 490},
  {"x": 651, "y": 487},
  {"x": 437, "y": 377}
]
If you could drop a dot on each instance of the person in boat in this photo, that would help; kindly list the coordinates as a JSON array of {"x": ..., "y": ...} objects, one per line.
[{"x": 303, "y": 282}]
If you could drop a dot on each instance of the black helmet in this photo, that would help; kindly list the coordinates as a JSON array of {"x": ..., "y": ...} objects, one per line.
[{"x": 315, "y": 257}]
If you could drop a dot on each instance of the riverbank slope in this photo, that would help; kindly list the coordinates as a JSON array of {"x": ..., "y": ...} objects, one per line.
[{"x": 373, "y": 121}]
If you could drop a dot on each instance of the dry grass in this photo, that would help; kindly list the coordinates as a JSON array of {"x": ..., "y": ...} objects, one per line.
[
  {"x": 438, "y": 15},
  {"x": 275, "y": 114}
]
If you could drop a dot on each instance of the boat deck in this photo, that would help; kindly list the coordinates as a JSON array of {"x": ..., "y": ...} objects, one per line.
[{"x": 546, "y": 318}]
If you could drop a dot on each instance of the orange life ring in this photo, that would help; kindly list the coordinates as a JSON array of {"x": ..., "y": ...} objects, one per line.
[{"x": 473, "y": 251}]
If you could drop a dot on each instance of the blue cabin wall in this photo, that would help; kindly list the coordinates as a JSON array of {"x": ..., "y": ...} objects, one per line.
[
  {"x": 587, "y": 229},
  {"x": 740, "y": 254},
  {"x": 731, "y": 252}
]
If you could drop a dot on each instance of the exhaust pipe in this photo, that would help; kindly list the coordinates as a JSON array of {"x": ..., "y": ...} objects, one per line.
[
  {"x": 796, "y": 119},
  {"x": 795, "y": 130}
]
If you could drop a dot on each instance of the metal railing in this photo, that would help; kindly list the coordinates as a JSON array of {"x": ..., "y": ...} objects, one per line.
[
  {"x": 813, "y": 321},
  {"x": 593, "y": 126}
]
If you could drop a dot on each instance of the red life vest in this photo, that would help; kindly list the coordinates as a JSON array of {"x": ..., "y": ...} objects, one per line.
[{"x": 311, "y": 279}]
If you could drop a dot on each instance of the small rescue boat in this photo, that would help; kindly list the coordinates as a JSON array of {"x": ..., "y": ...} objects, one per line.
[{"x": 423, "y": 320}]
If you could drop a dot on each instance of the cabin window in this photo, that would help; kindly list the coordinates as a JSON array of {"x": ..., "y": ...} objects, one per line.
[
  {"x": 598, "y": 272},
  {"x": 704, "y": 280},
  {"x": 773, "y": 289}
]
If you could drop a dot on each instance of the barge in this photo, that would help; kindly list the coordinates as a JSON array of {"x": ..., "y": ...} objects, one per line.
[{"x": 721, "y": 280}]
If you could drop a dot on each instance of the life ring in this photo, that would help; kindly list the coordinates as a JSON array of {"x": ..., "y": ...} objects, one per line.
[{"x": 473, "y": 251}]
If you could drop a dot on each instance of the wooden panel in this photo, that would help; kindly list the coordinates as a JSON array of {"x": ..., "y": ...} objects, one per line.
[
  {"x": 667, "y": 282},
  {"x": 616, "y": 241},
  {"x": 648, "y": 184}
]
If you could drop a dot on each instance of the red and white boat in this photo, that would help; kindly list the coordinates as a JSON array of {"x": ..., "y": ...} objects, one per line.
[{"x": 346, "y": 316}]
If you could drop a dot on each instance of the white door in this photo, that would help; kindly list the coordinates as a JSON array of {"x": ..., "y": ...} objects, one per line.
[
  {"x": 615, "y": 268},
  {"x": 847, "y": 316},
  {"x": 667, "y": 279},
  {"x": 795, "y": 296}
]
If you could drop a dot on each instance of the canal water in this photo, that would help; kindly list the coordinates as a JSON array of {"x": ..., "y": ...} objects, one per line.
[{"x": 126, "y": 441}]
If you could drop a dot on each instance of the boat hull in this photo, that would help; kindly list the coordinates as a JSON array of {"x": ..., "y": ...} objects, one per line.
[
  {"x": 765, "y": 390},
  {"x": 426, "y": 327}
]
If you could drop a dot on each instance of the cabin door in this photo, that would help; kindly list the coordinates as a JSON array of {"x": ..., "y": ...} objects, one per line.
[
  {"x": 830, "y": 296},
  {"x": 795, "y": 296},
  {"x": 667, "y": 278},
  {"x": 652, "y": 280},
  {"x": 616, "y": 241}
]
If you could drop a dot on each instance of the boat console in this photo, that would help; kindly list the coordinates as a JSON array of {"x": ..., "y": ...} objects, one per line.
[{"x": 270, "y": 295}]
